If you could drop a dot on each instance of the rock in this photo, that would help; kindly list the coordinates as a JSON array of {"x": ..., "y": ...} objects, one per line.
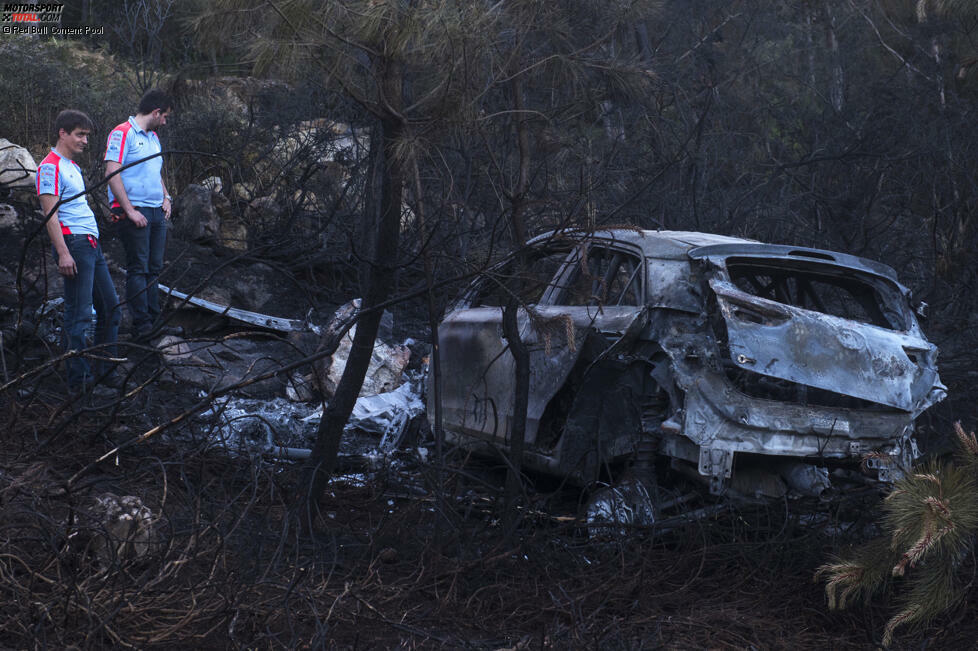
[
  {"x": 244, "y": 191},
  {"x": 8, "y": 288},
  {"x": 336, "y": 173},
  {"x": 333, "y": 146},
  {"x": 8, "y": 215},
  {"x": 308, "y": 201},
  {"x": 214, "y": 183},
  {"x": 203, "y": 215},
  {"x": 222, "y": 206},
  {"x": 210, "y": 364},
  {"x": 174, "y": 349},
  {"x": 234, "y": 235},
  {"x": 17, "y": 166},
  {"x": 301, "y": 387},
  {"x": 264, "y": 210},
  {"x": 124, "y": 527},
  {"x": 252, "y": 286},
  {"x": 384, "y": 372},
  {"x": 195, "y": 217},
  {"x": 215, "y": 294},
  {"x": 253, "y": 289}
]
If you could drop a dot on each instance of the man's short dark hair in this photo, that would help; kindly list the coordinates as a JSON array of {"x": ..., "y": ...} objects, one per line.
[
  {"x": 69, "y": 120},
  {"x": 154, "y": 99}
]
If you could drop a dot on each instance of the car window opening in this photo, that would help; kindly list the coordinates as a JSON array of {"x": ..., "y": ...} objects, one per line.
[
  {"x": 847, "y": 297},
  {"x": 603, "y": 277},
  {"x": 528, "y": 281}
]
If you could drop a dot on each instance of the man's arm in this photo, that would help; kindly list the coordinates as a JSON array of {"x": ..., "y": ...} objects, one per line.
[
  {"x": 66, "y": 263},
  {"x": 119, "y": 191},
  {"x": 167, "y": 204}
]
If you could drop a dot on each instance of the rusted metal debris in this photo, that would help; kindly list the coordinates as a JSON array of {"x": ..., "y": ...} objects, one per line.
[{"x": 753, "y": 367}]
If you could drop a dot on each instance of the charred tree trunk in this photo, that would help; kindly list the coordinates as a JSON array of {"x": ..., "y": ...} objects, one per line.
[
  {"x": 381, "y": 267},
  {"x": 434, "y": 368},
  {"x": 837, "y": 80},
  {"x": 517, "y": 430},
  {"x": 511, "y": 330}
]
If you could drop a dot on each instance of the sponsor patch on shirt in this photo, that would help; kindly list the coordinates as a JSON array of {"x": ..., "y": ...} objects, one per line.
[
  {"x": 47, "y": 175},
  {"x": 114, "y": 147}
]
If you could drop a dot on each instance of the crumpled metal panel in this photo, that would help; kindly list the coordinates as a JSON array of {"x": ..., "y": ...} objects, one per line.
[
  {"x": 716, "y": 415},
  {"x": 477, "y": 393},
  {"x": 669, "y": 286},
  {"x": 827, "y": 352}
]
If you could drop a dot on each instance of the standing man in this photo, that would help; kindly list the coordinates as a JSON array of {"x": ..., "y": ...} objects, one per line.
[
  {"x": 142, "y": 205},
  {"x": 74, "y": 234}
]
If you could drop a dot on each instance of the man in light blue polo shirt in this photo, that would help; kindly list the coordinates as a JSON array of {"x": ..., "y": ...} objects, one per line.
[
  {"x": 74, "y": 234},
  {"x": 141, "y": 205}
]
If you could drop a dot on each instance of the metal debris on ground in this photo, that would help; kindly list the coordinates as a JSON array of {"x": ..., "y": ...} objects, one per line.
[
  {"x": 614, "y": 511},
  {"x": 282, "y": 428}
]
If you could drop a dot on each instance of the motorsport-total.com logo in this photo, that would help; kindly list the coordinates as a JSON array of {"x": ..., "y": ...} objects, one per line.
[
  {"x": 31, "y": 13},
  {"x": 39, "y": 18}
]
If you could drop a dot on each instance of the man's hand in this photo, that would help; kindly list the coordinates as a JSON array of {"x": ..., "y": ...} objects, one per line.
[
  {"x": 136, "y": 217},
  {"x": 66, "y": 265},
  {"x": 167, "y": 207}
]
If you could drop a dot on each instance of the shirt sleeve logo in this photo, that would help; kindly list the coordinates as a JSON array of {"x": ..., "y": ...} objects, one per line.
[
  {"x": 46, "y": 176},
  {"x": 113, "y": 150}
]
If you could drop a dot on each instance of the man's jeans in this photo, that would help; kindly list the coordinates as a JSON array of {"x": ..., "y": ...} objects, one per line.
[
  {"x": 144, "y": 262},
  {"x": 91, "y": 285}
]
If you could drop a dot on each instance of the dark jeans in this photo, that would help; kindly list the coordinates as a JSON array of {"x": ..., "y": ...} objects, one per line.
[
  {"x": 91, "y": 285},
  {"x": 144, "y": 262}
]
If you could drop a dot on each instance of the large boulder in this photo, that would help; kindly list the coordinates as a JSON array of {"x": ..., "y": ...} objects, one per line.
[
  {"x": 17, "y": 166},
  {"x": 255, "y": 289},
  {"x": 202, "y": 214},
  {"x": 195, "y": 217}
]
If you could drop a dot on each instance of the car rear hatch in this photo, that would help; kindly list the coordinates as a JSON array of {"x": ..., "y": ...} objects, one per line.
[{"x": 818, "y": 327}]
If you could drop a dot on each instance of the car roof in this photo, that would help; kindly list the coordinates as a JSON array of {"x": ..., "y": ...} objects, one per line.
[
  {"x": 668, "y": 245},
  {"x": 682, "y": 245}
]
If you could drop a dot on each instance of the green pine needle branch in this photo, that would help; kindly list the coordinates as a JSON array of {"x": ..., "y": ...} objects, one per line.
[{"x": 924, "y": 556}]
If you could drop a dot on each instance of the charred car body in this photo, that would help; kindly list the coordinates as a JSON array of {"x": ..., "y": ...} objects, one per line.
[{"x": 750, "y": 366}]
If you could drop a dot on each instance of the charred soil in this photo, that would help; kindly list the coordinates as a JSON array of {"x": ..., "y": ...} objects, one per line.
[{"x": 395, "y": 561}]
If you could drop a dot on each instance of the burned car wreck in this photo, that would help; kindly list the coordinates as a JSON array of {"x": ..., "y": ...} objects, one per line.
[{"x": 751, "y": 367}]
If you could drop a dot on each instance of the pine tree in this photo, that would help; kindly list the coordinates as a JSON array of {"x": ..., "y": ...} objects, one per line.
[{"x": 930, "y": 520}]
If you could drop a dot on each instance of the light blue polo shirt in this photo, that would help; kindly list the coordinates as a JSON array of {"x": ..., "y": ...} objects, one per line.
[
  {"x": 143, "y": 183},
  {"x": 62, "y": 177}
]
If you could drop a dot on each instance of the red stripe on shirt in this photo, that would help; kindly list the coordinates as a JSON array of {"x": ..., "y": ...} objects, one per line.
[
  {"x": 124, "y": 128},
  {"x": 51, "y": 159}
]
